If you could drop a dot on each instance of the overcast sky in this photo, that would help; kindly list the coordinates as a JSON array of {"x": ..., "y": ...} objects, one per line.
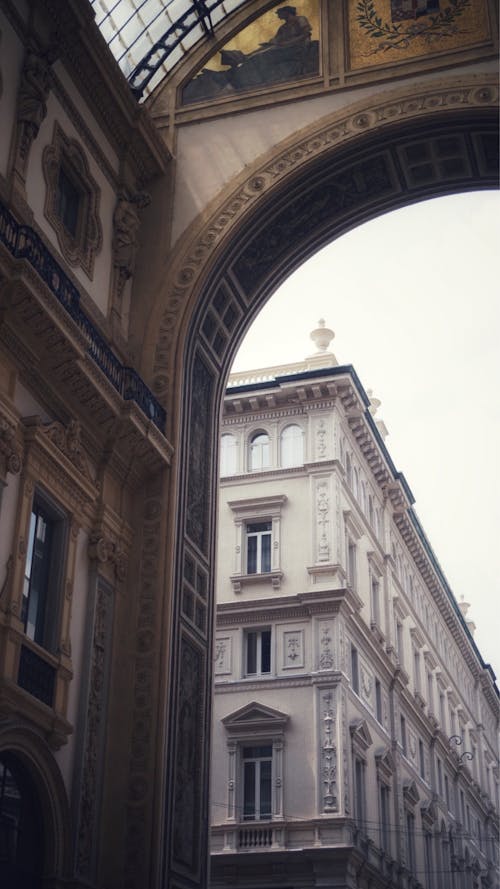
[{"x": 414, "y": 301}]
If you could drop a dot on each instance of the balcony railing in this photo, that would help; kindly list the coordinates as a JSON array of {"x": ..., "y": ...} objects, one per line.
[
  {"x": 24, "y": 243},
  {"x": 36, "y": 676},
  {"x": 255, "y": 837}
]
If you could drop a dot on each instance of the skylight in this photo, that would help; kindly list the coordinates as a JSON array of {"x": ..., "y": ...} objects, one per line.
[{"x": 149, "y": 37}]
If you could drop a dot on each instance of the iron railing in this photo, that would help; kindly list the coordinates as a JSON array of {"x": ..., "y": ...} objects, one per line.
[
  {"x": 24, "y": 243},
  {"x": 36, "y": 676}
]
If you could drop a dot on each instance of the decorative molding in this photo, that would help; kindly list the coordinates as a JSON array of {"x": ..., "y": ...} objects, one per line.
[
  {"x": 323, "y": 523},
  {"x": 82, "y": 247},
  {"x": 329, "y": 751},
  {"x": 34, "y": 88},
  {"x": 326, "y": 660},
  {"x": 126, "y": 225},
  {"x": 293, "y": 649},
  {"x": 10, "y": 449}
]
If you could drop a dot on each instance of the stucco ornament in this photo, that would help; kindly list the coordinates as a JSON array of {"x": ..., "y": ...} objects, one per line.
[
  {"x": 34, "y": 89},
  {"x": 126, "y": 223}
]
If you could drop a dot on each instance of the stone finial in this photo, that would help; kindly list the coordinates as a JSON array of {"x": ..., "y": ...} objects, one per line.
[{"x": 322, "y": 336}]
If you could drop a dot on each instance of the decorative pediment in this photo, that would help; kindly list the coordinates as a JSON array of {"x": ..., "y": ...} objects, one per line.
[
  {"x": 353, "y": 525},
  {"x": 411, "y": 794},
  {"x": 361, "y": 737},
  {"x": 384, "y": 763},
  {"x": 429, "y": 814},
  {"x": 253, "y": 718}
]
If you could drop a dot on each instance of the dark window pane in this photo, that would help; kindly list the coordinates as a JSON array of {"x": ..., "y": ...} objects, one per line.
[
  {"x": 266, "y": 553},
  {"x": 265, "y": 789},
  {"x": 266, "y": 651},
  {"x": 68, "y": 202},
  {"x": 249, "y": 790},
  {"x": 251, "y": 652},
  {"x": 252, "y": 555}
]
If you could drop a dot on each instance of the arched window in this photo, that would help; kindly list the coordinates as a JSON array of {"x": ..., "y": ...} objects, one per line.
[
  {"x": 228, "y": 455},
  {"x": 260, "y": 452},
  {"x": 21, "y": 827},
  {"x": 292, "y": 446}
]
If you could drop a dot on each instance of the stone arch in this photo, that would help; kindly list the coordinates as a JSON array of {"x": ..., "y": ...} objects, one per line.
[
  {"x": 32, "y": 753},
  {"x": 384, "y": 152}
]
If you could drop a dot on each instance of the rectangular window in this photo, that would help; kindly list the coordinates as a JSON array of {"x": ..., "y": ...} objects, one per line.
[
  {"x": 403, "y": 735},
  {"x": 430, "y": 692},
  {"x": 375, "y": 596},
  {"x": 385, "y": 821},
  {"x": 351, "y": 564},
  {"x": 378, "y": 701},
  {"x": 410, "y": 839},
  {"x": 257, "y": 782},
  {"x": 359, "y": 790},
  {"x": 68, "y": 199},
  {"x": 442, "y": 710},
  {"x": 440, "y": 777},
  {"x": 258, "y": 547},
  {"x": 399, "y": 642},
  {"x": 421, "y": 758},
  {"x": 39, "y": 610},
  {"x": 354, "y": 669},
  {"x": 447, "y": 792},
  {"x": 416, "y": 669},
  {"x": 258, "y": 652},
  {"x": 429, "y": 869}
]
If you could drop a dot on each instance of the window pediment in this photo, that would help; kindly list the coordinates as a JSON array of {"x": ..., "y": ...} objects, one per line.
[
  {"x": 361, "y": 737},
  {"x": 411, "y": 794},
  {"x": 258, "y": 507},
  {"x": 384, "y": 763},
  {"x": 255, "y": 717}
]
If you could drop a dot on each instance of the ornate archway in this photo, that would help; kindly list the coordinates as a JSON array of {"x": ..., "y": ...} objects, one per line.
[{"x": 391, "y": 150}]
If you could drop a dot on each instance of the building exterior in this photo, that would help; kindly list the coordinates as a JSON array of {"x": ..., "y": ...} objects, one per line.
[
  {"x": 151, "y": 198},
  {"x": 355, "y": 723}
]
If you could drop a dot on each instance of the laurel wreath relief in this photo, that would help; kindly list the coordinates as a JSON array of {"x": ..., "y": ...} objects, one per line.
[{"x": 400, "y": 35}]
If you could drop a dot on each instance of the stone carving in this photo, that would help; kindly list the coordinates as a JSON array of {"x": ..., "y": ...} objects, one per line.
[
  {"x": 293, "y": 649},
  {"x": 321, "y": 440},
  {"x": 93, "y": 735},
  {"x": 34, "y": 88},
  {"x": 126, "y": 223},
  {"x": 198, "y": 493},
  {"x": 103, "y": 549},
  {"x": 326, "y": 654},
  {"x": 329, "y": 753},
  {"x": 68, "y": 440},
  {"x": 190, "y": 740},
  {"x": 366, "y": 683},
  {"x": 222, "y": 655},
  {"x": 322, "y": 521},
  {"x": 10, "y": 451}
]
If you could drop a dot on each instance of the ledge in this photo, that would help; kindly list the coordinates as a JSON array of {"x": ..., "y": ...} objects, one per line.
[{"x": 240, "y": 580}]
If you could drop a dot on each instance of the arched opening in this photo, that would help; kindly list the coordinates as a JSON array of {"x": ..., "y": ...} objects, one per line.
[
  {"x": 22, "y": 831},
  {"x": 226, "y": 272}
]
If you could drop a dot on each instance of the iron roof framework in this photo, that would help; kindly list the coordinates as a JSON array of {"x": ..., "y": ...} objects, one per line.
[{"x": 149, "y": 37}]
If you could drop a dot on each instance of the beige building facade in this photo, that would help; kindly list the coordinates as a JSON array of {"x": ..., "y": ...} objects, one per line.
[
  {"x": 160, "y": 173},
  {"x": 355, "y": 722}
]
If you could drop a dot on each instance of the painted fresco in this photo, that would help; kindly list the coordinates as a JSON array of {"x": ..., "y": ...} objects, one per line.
[
  {"x": 281, "y": 45},
  {"x": 382, "y": 31}
]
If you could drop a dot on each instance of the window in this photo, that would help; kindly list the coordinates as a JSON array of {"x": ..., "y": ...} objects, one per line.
[
  {"x": 440, "y": 777},
  {"x": 430, "y": 691},
  {"x": 292, "y": 446},
  {"x": 354, "y": 669},
  {"x": 72, "y": 201},
  {"x": 39, "y": 609},
  {"x": 403, "y": 735},
  {"x": 442, "y": 710},
  {"x": 421, "y": 759},
  {"x": 359, "y": 790},
  {"x": 375, "y": 601},
  {"x": 258, "y": 547},
  {"x": 348, "y": 469},
  {"x": 410, "y": 840},
  {"x": 416, "y": 670},
  {"x": 259, "y": 452},
  {"x": 68, "y": 201},
  {"x": 447, "y": 792},
  {"x": 385, "y": 818},
  {"x": 378, "y": 701},
  {"x": 351, "y": 564},
  {"x": 228, "y": 455},
  {"x": 257, "y": 782},
  {"x": 399, "y": 642},
  {"x": 257, "y": 652}
]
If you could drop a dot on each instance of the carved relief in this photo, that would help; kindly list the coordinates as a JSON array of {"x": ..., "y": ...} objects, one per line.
[
  {"x": 34, "y": 88},
  {"x": 126, "y": 224},
  {"x": 293, "y": 649},
  {"x": 198, "y": 494},
  {"x": 321, "y": 440},
  {"x": 81, "y": 240},
  {"x": 222, "y": 655},
  {"x": 366, "y": 683},
  {"x": 106, "y": 550},
  {"x": 190, "y": 741},
  {"x": 329, "y": 752},
  {"x": 325, "y": 645},
  {"x": 93, "y": 735},
  {"x": 68, "y": 440},
  {"x": 10, "y": 450},
  {"x": 322, "y": 521}
]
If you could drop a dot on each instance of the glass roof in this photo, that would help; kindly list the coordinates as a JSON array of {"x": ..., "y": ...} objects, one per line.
[{"x": 149, "y": 37}]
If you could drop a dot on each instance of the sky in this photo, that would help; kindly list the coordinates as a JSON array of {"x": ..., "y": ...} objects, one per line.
[{"x": 413, "y": 298}]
